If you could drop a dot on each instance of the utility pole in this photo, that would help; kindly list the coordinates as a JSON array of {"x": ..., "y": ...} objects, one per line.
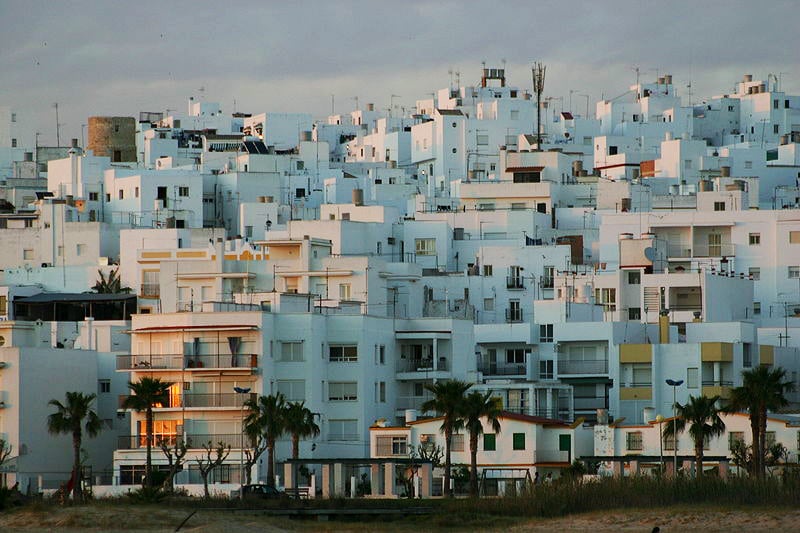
[
  {"x": 58, "y": 128},
  {"x": 538, "y": 72}
]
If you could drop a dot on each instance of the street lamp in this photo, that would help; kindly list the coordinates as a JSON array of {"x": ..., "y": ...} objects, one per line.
[
  {"x": 243, "y": 391},
  {"x": 660, "y": 419},
  {"x": 674, "y": 384}
]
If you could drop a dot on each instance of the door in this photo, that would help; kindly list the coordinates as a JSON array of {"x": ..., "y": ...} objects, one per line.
[{"x": 714, "y": 245}]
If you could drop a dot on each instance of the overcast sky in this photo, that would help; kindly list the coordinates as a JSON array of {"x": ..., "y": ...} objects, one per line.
[{"x": 119, "y": 58}]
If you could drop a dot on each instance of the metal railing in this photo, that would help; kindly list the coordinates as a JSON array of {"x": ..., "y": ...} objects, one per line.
[
  {"x": 196, "y": 441},
  {"x": 411, "y": 402},
  {"x": 515, "y": 282},
  {"x": 423, "y": 365},
  {"x": 203, "y": 400},
  {"x": 150, "y": 290},
  {"x": 185, "y": 362},
  {"x": 717, "y": 383},
  {"x": 550, "y": 456},
  {"x": 599, "y": 366},
  {"x": 503, "y": 369},
  {"x": 700, "y": 250}
]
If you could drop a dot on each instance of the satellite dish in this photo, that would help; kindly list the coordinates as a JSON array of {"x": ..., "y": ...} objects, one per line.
[{"x": 650, "y": 253}]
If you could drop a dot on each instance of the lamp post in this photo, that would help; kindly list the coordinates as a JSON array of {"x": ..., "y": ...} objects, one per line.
[
  {"x": 243, "y": 391},
  {"x": 660, "y": 419},
  {"x": 674, "y": 383}
]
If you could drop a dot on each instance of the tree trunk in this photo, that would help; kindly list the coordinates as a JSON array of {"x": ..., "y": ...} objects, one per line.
[
  {"x": 473, "y": 461},
  {"x": 448, "y": 436},
  {"x": 755, "y": 428},
  {"x": 204, "y": 473},
  {"x": 271, "y": 463},
  {"x": 698, "y": 459},
  {"x": 148, "y": 429},
  {"x": 295, "y": 446},
  {"x": 77, "y": 490}
]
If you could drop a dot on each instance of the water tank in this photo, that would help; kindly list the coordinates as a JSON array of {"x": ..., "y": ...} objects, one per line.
[
  {"x": 747, "y": 77},
  {"x": 577, "y": 166},
  {"x": 358, "y": 196},
  {"x": 370, "y": 107}
]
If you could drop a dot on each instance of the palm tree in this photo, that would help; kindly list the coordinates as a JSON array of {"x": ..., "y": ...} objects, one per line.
[
  {"x": 69, "y": 418},
  {"x": 111, "y": 284},
  {"x": 447, "y": 400},
  {"x": 763, "y": 389},
  {"x": 477, "y": 406},
  {"x": 299, "y": 423},
  {"x": 268, "y": 413},
  {"x": 147, "y": 393},
  {"x": 702, "y": 415}
]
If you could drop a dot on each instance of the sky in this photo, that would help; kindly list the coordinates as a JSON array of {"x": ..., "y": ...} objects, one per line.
[{"x": 119, "y": 58}]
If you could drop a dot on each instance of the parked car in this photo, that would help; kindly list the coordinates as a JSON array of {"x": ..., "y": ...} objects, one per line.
[{"x": 262, "y": 491}]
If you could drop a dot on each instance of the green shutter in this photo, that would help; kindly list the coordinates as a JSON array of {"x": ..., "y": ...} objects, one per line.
[
  {"x": 519, "y": 441},
  {"x": 564, "y": 443},
  {"x": 489, "y": 442}
]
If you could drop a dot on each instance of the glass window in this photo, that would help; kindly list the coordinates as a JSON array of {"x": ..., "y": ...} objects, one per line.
[
  {"x": 425, "y": 246},
  {"x": 103, "y": 385},
  {"x": 343, "y": 429},
  {"x": 293, "y": 389},
  {"x": 634, "y": 277},
  {"x": 343, "y": 353},
  {"x": 633, "y": 441},
  {"x": 755, "y": 238},
  {"x": 546, "y": 369},
  {"x": 392, "y": 445},
  {"x": 341, "y": 391},
  {"x": 546, "y": 333},
  {"x": 692, "y": 375},
  {"x": 755, "y": 273},
  {"x": 291, "y": 352},
  {"x": 344, "y": 291}
]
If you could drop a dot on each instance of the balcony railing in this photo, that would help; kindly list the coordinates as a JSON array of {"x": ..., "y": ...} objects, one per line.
[
  {"x": 201, "y": 400},
  {"x": 423, "y": 365},
  {"x": 515, "y": 282},
  {"x": 561, "y": 413},
  {"x": 503, "y": 369},
  {"x": 717, "y": 383},
  {"x": 582, "y": 403},
  {"x": 185, "y": 362},
  {"x": 550, "y": 456},
  {"x": 632, "y": 384},
  {"x": 680, "y": 251},
  {"x": 599, "y": 366},
  {"x": 513, "y": 315},
  {"x": 411, "y": 402},
  {"x": 134, "y": 442}
]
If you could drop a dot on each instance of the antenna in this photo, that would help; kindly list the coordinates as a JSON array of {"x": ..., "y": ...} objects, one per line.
[{"x": 538, "y": 72}]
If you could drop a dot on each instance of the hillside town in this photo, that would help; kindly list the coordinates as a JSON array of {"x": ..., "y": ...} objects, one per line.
[{"x": 589, "y": 267}]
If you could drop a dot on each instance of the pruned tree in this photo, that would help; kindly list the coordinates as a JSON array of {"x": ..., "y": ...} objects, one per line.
[
  {"x": 146, "y": 394},
  {"x": 214, "y": 456},
  {"x": 175, "y": 453},
  {"x": 258, "y": 445},
  {"x": 5, "y": 452}
]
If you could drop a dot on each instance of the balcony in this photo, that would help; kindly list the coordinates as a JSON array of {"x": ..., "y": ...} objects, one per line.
[
  {"x": 185, "y": 361},
  {"x": 513, "y": 315},
  {"x": 567, "y": 367},
  {"x": 503, "y": 369},
  {"x": 719, "y": 388},
  {"x": 411, "y": 402},
  {"x": 636, "y": 391},
  {"x": 546, "y": 282},
  {"x": 515, "y": 283},
  {"x": 422, "y": 365},
  {"x": 202, "y": 400},
  {"x": 150, "y": 290},
  {"x": 134, "y": 442},
  {"x": 685, "y": 251},
  {"x": 551, "y": 456}
]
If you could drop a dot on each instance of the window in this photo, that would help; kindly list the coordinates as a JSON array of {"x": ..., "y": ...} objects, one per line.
[
  {"x": 756, "y": 308},
  {"x": 13, "y": 143},
  {"x": 488, "y": 304},
  {"x": 669, "y": 442},
  {"x": 301, "y": 165},
  {"x": 633, "y": 441},
  {"x": 93, "y": 196},
  {"x": 121, "y": 194},
  {"x": 692, "y": 378},
  {"x": 14, "y": 116},
  {"x": 755, "y": 239},
  {"x": 392, "y": 445},
  {"x": 27, "y": 254},
  {"x": 748, "y": 164},
  {"x": 546, "y": 369},
  {"x": 163, "y": 430},
  {"x": 293, "y": 389},
  {"x": 60, "y": 251},
  {"x": 457, "y": 443},
  {"x": 734, "y": 437},
  {"x": 103, "y": 386},
  {"x": 291, "y": 352},
  {"x": 634, "y": 313},
  {"x": 775, "y": 104},
  {"x": 344, "y": 291},
  {"x": 607, "y": 298},
  {"x": 515, "y": 356},
  {"x": 342, "y": 391},
  {"x": 343, "y": 354},
  {"x": 794, "y": 237},
  {"x": 687, "y": 164},
  {"x": 136, "y": 192},
  {"x": 634, "y": 277},
  {"x": 382, "y": 354},
  {"x": 719, "y": 206},
  {"x": 747, "y": 355},
  {"x": 342, "y": 429},
  {"x": 755, "y": 273},
  {"x": 80, "y": 249},
  {"x": 489, "y": 442},
  {"x": 518, "y": 441},
  {"x": 483, "y": 140},
  {"x": 380, "y": 392},
  {"x": 425, "y": 246},
  {"x": 427, "y": 441},
  {"x": 775, "y": 127},
  {"x": 794, "y": 272},
  {"x": 487, "y": 270},
  {"x": 546, "y": 333}
]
